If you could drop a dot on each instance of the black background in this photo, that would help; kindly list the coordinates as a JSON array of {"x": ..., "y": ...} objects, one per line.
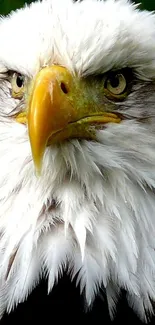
[{"x": 64, "y": 304}]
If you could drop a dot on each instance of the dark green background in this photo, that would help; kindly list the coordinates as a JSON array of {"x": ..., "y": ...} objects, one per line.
[{"x": 7, "y": 5}]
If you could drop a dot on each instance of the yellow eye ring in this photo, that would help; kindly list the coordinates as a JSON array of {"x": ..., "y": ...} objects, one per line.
[
  {"x": 17, "y": 83},
  {"x": 116, "y": 84}
]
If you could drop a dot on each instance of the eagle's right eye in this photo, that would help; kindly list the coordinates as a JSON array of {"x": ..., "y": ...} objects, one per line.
[{"x": 17, "y": 83}]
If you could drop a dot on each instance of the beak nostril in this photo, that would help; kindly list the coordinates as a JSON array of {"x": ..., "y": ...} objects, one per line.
[{"x": 63, "y": 88}]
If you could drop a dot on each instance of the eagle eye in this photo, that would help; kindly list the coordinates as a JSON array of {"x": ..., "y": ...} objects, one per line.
[
  {"x": 17, "y": 83},
  {"x": 116, "y": 83}
]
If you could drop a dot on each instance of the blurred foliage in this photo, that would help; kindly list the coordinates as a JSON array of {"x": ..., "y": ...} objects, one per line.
[
  {"x": 146, "y": 4},
  {"x": 8, "y": 5}
]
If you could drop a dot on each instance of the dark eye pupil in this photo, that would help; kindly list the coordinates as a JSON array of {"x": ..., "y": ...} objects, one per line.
[
  {"x": 114, "y": 81},
  {"x": 19, "y": 81}
]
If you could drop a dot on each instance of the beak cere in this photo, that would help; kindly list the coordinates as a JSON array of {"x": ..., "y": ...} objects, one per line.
[{"x": 58, "y": 111}]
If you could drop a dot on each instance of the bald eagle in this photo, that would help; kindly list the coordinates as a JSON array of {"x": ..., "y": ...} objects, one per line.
[{"x": 77, "y": 151}]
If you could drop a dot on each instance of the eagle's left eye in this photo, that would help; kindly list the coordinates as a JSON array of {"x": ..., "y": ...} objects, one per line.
[
  {"x": 116, "y": 84},
  {"x": 17, "y": 83}
]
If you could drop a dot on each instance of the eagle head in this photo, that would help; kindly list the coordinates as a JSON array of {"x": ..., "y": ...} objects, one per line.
[{"x": 77, "y": 150}]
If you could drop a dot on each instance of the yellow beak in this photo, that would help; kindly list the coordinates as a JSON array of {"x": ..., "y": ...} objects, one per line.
[
  {"x": 56, "y": 111},
  {"x": 49, "y": 110}
]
